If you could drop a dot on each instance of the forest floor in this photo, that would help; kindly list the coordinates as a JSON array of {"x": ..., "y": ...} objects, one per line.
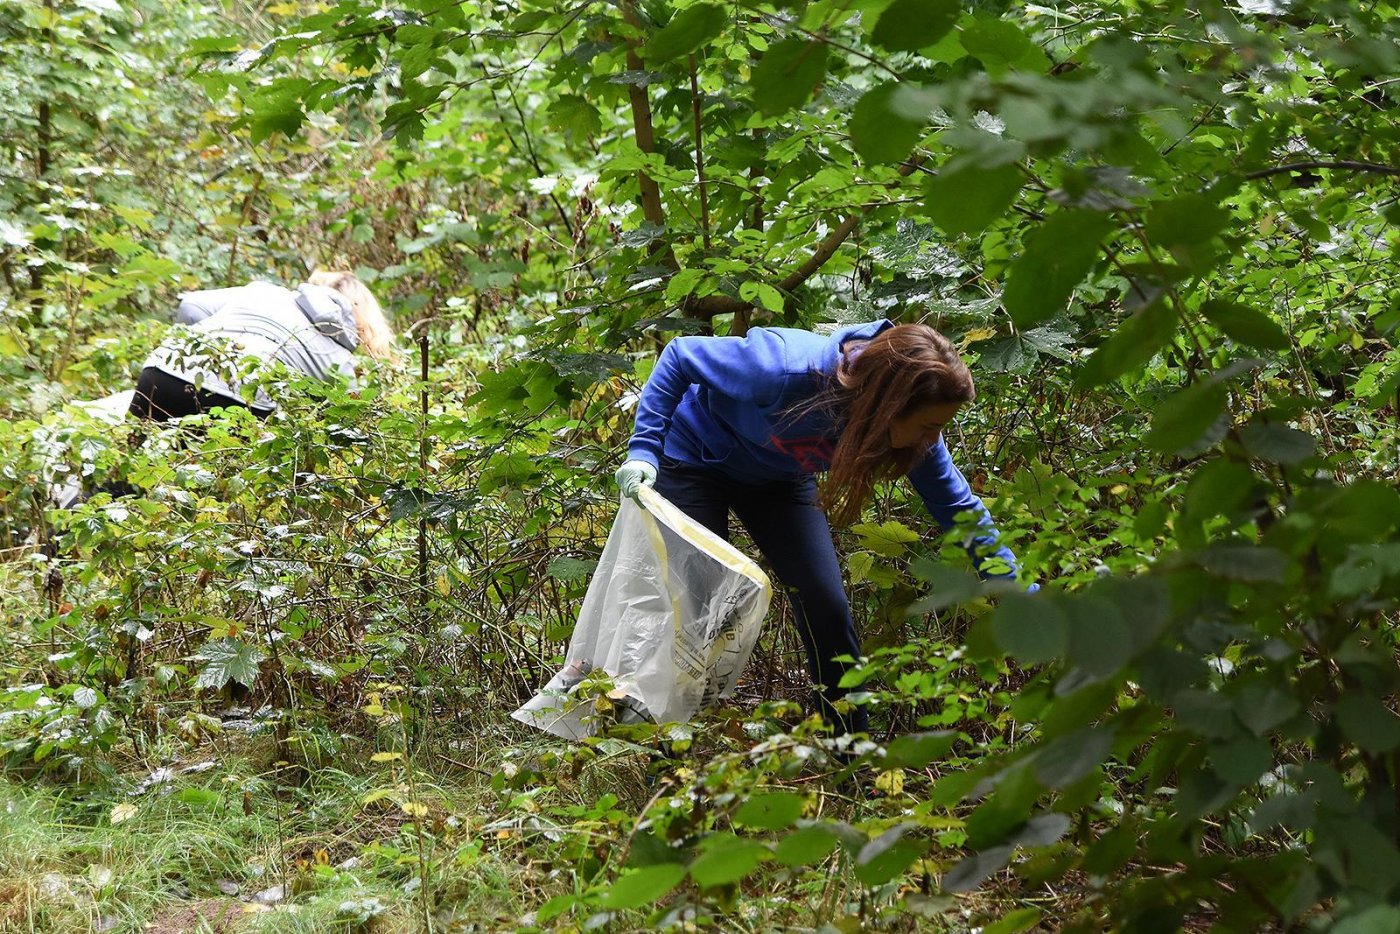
[
  {"x": 223, "y": 837},
  {"x": 228, "y": 838}
]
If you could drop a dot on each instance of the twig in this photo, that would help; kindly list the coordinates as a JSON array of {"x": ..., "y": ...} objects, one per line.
[
  {"x": 695, "y": 109},
  {"x": 1373, "y": 167},
  {"x": 644, "y": 133},
  {"x": 711, "y": 305}
]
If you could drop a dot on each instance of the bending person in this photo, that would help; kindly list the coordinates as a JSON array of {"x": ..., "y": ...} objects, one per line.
[
  {"x": 743, "y": 425},
  {"x": 314, "y": 330}
]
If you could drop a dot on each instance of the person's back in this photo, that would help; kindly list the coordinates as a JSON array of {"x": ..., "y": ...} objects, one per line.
[{"x": 311, "y": 330}]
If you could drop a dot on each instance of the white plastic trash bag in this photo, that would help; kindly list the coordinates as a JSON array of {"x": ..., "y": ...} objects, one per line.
[
  {"x": 66, "y": 489},
  {"x": 668, "y": 623}
]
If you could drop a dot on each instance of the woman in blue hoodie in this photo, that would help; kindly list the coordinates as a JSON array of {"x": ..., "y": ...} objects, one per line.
[
  {"x": 233, "y": 333},
  {"x": 743, "y": 424}
]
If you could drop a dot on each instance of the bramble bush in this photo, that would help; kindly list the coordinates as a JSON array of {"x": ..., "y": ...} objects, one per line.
[{"x": 1159, "y": 234}]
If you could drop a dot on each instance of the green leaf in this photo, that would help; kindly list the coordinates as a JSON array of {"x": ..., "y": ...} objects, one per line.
[
  {"x": 888, "y": 538},
  {"x": 1135, "y": 342},
  {"x": 576, "y": 117},
  {"x": 916, "y": 750},
  {"x": 641, "y": 886},
  {"x": 1206, "y": 712},
  {"x": 529, "y": 21},
  {"x": 1186, "y": 415},
  {"x": 968, "y": 874},
  {"x": 286, "y": 120},
  {"x": 1112, "y": 849},
  {"x": 1219, "y": 487},
  {"x": 1043, "y": 829},
  {"x": 1015, "y": 922},
  {"x": 999, "y": 44},
  {"x": 1262, "y": 706},
  {"x": 947, "y": 586},
  {"x": 1007, "y": 808},
  {"x": 1031, "y": 628},
  {"x": 228, "y": 660},
  {"x": 1057, "y": 256},
  {"x": 1065, "y": 760},
  {"x": 208, "y": 44},
  {"x": 907, "y": 25},
  {"x": 1244, "y": 324},
  {"x": 887, "y": 855},
  {"x": 1277, "y": 444},
  {"x": 1377, "y": 919},
  {"x": 772, "y": 811},
  {"x": 1242, "y": 759},
  {"x": 1203, "y": 792},
  {"x": 683, "y": 283},
  {"x": 565, "y": 568},
  {"x": 1077, "y": 704},
  {"x": 687, "y": 31},
  {"x": 198, "y": 797},
  {"x": 859, "y": 566},
  {"x": 1187, "y": 220},
  {"x": 1368, "y": 722},
  {"x": 880, "y": 132},
  {"x": 787, "y": 75},
  {"x": 1245, "y": 562},
  {"x": 1364, "y": 570},
  {"x": 966, "y": 200},
  {"x": 1100, "y": 637},
  {"x": 762, "y": 294},
  {"x": 650, "y": 850},
  {"x": 727, "y": 860},
  {"x": 806, "y": 846}
]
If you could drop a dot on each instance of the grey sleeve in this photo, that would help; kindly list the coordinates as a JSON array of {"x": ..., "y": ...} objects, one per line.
[{"x": 196, "y": 306}]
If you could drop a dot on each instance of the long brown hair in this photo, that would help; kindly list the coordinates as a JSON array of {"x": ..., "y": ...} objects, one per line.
[{"x": 897, "y": 371}]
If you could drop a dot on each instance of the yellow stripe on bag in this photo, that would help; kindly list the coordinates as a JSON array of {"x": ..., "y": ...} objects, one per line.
[{"x": 714, "y": 546}]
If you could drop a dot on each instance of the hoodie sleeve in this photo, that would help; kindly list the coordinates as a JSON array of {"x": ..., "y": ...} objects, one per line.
[
  {"x": 748, "y": 369},
  {"x": 947, "y": 495},
  {"x": 196, "y": 306}
]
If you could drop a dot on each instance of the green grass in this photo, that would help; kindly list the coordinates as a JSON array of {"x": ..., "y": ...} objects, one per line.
[
  {"x": 505, "y": 823},
  {"x": 65, "y": 867}
]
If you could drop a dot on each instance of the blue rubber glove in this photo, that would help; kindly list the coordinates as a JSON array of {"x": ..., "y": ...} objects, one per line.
[{"x": 634, "y": 475}]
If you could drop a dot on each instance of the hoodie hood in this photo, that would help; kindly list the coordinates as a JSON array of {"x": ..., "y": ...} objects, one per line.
[
  {"x": 832, "y": 352},
  {"x": 330, "y": 312}
]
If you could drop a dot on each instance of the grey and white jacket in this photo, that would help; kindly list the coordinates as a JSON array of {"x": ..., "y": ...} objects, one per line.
[{"x": 232, "y": 333}]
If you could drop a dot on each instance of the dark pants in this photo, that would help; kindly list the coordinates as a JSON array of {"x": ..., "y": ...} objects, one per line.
[
  {"x": 790, "y": 529},
  {"x": 161, "y": 397}
]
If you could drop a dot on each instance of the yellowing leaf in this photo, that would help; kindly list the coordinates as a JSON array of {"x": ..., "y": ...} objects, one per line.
[
  {"x": 978, "y": 334},
  {"x": 283, "y": 9},
  {"x": 889, "y": 538},
  {"x": 891, "y": 782},
  {"x": 385, "y": 756},
  {"x": 444, "y": 586},
  {"x": 413, "y": 808},
  {"x": 122, "y": 812}
]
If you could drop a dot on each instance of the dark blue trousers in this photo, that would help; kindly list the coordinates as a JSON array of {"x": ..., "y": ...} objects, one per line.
[{"x": 790, "y": 529}]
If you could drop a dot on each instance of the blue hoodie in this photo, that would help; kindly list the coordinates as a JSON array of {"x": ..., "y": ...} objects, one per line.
[{"x": 724, "y": 403}]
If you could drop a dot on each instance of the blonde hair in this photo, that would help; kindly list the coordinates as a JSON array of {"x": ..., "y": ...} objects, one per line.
[{"x": 375, "y": 333}]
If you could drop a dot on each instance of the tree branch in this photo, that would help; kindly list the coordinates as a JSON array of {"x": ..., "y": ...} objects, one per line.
[
  {"x": 695, "y": 109},
  {"x": 709, "y": 306},
  {"x": 43, "y": 159},
  {"x": 643, "y": 131},
  {"x": 1373, "y": 167}
]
